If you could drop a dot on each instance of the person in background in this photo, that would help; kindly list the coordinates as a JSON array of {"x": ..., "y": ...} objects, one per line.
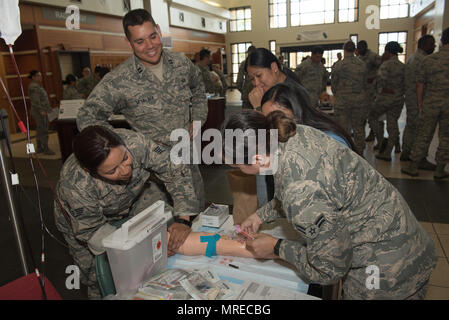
[
  {"x": 348, "y": 84},
  {"x": 426, "y": 46},
  {"x": 313, "y": 75},
  {"x": 104, "y": 71},
  {"x": 372, "y": 61},
  {"x": 156, "y": 90},
  {"x": 70, "y": 92},
  {"x": 390, "y": 85},
  {"x": 339, "y": 57},
  {"x": 432, "y": 92},
  {"x": 40, "y": 107},
  {"x": 350, "y": 217},
  {"x": 224, "y": 83},
  {"x": 204, "y": 67},
  {"x": 244, "y": 84},
  {"x": 88, "y": 82},
  {"x": 105, "y": 181}
]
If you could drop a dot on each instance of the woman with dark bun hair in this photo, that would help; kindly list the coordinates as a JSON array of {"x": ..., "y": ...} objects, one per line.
[
  {"x": 357, "y": 227},
  {"x": 390, "y": 86}
]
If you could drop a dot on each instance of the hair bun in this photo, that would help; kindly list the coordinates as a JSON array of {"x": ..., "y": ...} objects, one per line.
[{"x": 286, "y": 126}]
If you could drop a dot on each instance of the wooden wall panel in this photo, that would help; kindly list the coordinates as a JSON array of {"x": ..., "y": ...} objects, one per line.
[
  {"x": 26, "y": 14},
  {"x": 116, "y": 43},
  {"x": 102, "y": 23},
  {"x": 180, "y": 33},
  {"x": 70, "y": 39}
]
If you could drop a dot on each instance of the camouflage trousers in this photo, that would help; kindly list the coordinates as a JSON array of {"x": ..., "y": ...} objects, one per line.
[
  {"x": 431, "y": 115},
  {"x": 392, "y": 107},
  {"x": 351, "y": 114},
  {"x": 411, "y": 124},
  {"x": 81, "y": 254},
  {"x": 41, "y": 130},
  {"x": 370, "y": 95}
]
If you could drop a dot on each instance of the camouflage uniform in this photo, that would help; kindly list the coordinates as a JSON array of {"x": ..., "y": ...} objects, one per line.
[
  {"x": 150, "y": 106},
  {"x": 313, "y": 77},
  {"x": 411, "y": 103},
  {"x": 93, "y": 203},
  {"x": 207, "y": 78},
  {"x": 245, "y": 86},
  {"x": 351, "y": 217},
  {"x": 390, "y": 76},
  {"x": 348, "y": 85},
  {"x": 71, "y": 93},
  {"x": 224, "y": 84},
  {"x": 433, "y": 74},
  {"x": 372, "y": 61},
  {"x": 39, "y": 103},
  {"x": 86, "y": 84}
]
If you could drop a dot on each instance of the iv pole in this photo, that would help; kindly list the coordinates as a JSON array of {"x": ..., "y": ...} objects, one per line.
[{"x": 12, "y": 209}]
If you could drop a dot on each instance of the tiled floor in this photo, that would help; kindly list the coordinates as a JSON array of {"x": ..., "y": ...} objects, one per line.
[{"x": 428, "y": 199}]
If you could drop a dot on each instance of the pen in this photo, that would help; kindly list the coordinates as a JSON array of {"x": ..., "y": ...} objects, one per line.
[{"x": 233, "y": 266}]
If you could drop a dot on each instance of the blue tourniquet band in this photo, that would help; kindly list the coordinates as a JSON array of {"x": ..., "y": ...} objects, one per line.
[{"x": 211, "y": 249}]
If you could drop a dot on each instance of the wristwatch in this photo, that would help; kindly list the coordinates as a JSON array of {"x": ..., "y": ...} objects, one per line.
[
  {"x": 277, "y": 247},
  {"x": 183, "y": 221}
]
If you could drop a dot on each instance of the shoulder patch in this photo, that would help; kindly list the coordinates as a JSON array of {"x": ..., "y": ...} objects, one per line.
[{"x": 311, "y": 231}]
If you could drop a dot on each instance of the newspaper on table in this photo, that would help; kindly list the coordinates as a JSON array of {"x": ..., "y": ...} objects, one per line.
[
  {"x": 186, "y": 284},
  {"x": 255, "y": 291}
]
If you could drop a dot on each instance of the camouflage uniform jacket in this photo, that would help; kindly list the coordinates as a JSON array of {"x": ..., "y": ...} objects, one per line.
[
  {"x": 349, "y": 76},
  {"x": 71, "y": 93},
  {"x": 92, "y": 202},
  {"x": 411, "y": 71},
  {"x": 313, "y": 76},
  {"x": 391, "y": 75},
  {"x": 207, "y": 79},
  {"x": 86, "y": 84},
  {"x": 372, "y": 61},
  {"x": 434, "y": 75},
  {"x": 150, "y": 106},
  {"x": 350, "y": 216},
  {"x": 38, "y": 98},
  {"x": 243, "y": 83}
]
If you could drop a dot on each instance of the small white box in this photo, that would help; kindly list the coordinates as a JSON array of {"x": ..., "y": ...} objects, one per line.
[
  {"x": 138, "y": 249},
  {"x": 215, "y": 215}
]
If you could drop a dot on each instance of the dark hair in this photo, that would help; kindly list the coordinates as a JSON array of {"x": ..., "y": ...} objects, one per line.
[
  {"x": 250, "y": 49},
  {"x": 262, "y": 58},
  {"x": 349, "y": 46},
  {"x": 103, "y": 71},
  {"x": 295, "y": 98},
  {"x": 136, "y": 18},
  {"x": 92, "y": 146},
  {"x": 204, "y": 53},
  {"x": 33, "y": 73},
  {"x": 445, "y": 36},
  {"x": 69, "y": 79},
  {"x": 363, "y": 44},
  {"x": 424, "y": 40},
  {"x": 253, "y": 120},
  {"x": 393, "y": 47},
  {"x": 318, "y": 50}
]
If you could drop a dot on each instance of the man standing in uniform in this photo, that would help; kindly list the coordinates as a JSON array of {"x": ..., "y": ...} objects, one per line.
[
  {"x": 203, "y": 65},
  {"x": 156, "y": 90},
  {"x": 313, "y": 75},
  {"x": 426, "y": 46},
  {"x": 244, "y": 84},
  {"x": 40, "y": 107},
  {"x": 372, "y": 62},
  {"x": 432, "y": 92},
  {"x": 348, "y": 84}
]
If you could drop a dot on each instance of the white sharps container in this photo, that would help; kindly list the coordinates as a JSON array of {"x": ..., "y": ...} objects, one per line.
[{"x": 138, "y": 249}]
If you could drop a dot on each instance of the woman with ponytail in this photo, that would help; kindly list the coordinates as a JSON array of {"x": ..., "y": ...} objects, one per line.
[{"x": 354, "y": 222}]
